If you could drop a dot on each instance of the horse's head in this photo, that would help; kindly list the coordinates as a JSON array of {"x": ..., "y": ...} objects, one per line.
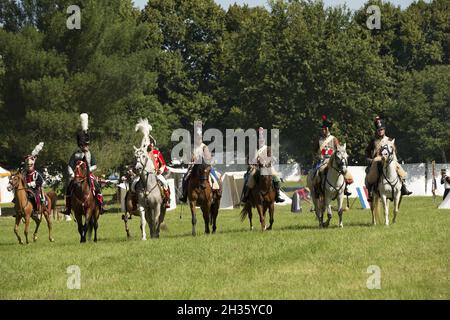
[
  {"x": 142, "y": 161},
  {"x": 16, "y": 181},
  {"x": 81, "y": 171},
  {"x": 341, "y": 158},
  {"x": 388, "y": 152},
  {"x": 202, "y": 171}
]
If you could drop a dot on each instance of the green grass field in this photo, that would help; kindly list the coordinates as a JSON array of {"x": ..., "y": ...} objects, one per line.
[{"x": 294, "y": 261}]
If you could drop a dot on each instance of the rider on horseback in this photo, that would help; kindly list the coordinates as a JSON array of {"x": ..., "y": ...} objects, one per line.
[
  {"x": 161, "y": 168},
  {"x": 83, "y": 154},
  {"x": 373, "y": 155},
  {"x": 261, "y": 154},
  {"x": 33, "y": 178},
  {"x": 324, "y": 148},
  {"x": 200, "y": 154}
]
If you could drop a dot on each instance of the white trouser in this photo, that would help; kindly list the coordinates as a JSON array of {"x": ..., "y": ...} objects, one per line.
[{"x": 163, "y": 181}]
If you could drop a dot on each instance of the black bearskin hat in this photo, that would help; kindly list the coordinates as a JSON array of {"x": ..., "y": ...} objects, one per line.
[
  {"x": 326, "y": 123},
  {"x": 379, "y": 124}
]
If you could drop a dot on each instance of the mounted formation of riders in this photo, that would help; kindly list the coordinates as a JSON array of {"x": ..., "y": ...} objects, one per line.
[{"x": 326, "y": 145}]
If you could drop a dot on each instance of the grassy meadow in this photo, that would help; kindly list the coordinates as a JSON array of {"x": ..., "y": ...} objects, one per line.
[{"x": 294, "y": 261}]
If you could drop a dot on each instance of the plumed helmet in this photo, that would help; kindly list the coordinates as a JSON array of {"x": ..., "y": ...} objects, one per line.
[
  {"x": 83, "y": 137},
  {"x": 326, "y": 123},
  {"x": 31, "y": 158},
  {"x": 379, "y": 123}
]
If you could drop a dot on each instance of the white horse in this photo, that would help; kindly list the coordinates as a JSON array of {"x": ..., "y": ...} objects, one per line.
[
  {"x": 150, "y": 197},
  {"x": 389, "y": 185},
  {"x": 333, "y": 186}
]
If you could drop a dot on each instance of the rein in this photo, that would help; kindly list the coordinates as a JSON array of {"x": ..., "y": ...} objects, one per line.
[
  {"x": 340, "y": 173},
  {"x": 391, "y": 184}
]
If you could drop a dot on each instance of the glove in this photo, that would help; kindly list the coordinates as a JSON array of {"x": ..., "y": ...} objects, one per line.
[{"x": 31, "y": 184}]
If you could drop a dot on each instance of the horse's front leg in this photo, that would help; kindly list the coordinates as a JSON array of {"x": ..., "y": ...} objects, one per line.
[
  {"x": 125, "y": 221},
  {"x": 16, "y": 228},
  {"x": 318, "y": 211},
  {"x": 194, "y": 218},
  {"x": 386, "y": 209},
  {"x": 260, "y": 209},
  {"x": 38, "y": 223},
  {"x": 154, "y": 229},
  {"x": 49, "y": 225},
  {"x": 205, "y": 211},
  {"x": 95, "y": 223},
  {"x": 27, "y": 226},
  {"x": 80, "y": 228},
  {"x": 329, "y": 211},
  {"x": 143, "y": 223},
  {"x": 271, "y": 214},
  {"x": 340, "y": 200},
  {"x": 396, "y": 205}
]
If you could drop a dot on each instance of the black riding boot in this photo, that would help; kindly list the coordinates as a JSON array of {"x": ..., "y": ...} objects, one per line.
[
  {"x": 346, "y": 192},
  {"x": 405, "y": 191},
  {"x": 184, "y": 191},
  {"x": 278, "y": 198}
]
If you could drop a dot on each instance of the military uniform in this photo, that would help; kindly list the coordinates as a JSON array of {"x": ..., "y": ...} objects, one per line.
[
  {"x": 445, "y": 180},
  {"x": 83, "y": 139},
  {"x": 201, "y": 154},
  {"x": 373, "y": 156},
  {"x": 161, "y": 168},
  {"x": 33, "y": 178},
  {"x": 261, "y": 157}
]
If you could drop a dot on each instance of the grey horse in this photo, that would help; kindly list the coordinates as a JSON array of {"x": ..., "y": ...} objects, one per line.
[{"x": 150, "y": 197}]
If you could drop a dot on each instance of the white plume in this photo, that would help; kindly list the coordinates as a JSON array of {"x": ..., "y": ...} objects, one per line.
[
  {"x": 37, "y": 149},
  {"x": 144, "y": 127},
  {"x": 84, "y": 121}
]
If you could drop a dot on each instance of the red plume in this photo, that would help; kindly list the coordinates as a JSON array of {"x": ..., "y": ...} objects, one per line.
[{"x": 324, "y": 117}]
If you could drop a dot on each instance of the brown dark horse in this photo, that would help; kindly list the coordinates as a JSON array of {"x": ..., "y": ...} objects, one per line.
[
  {"x": 84, "y": 203},
  {"x": 200, "y": 193},
  {"x": 261, "y": 196},
  {"x": 24, "y": 209}
]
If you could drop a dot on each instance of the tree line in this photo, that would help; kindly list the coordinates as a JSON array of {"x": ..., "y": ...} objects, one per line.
[{"x": 177, "y": 61}]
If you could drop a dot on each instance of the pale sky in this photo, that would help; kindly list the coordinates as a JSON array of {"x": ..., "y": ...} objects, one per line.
[{"x": 352, "y": 4}]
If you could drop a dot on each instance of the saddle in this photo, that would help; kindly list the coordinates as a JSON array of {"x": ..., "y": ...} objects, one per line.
[{"x": 33, "y": 198}]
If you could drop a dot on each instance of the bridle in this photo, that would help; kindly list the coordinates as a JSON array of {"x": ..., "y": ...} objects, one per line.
[
  {"x": 140, "y": 154},
  {"x": 390, "y": 159},
  {"x": 341, "y": 162}
]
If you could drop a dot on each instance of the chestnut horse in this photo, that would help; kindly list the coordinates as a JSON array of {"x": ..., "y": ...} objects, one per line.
[
  {"x": 24, "y": 208},
  {"x": 200, "y": 193},
  {"x": 261, "y": 196},
  {"x": 84, "y": 202}
]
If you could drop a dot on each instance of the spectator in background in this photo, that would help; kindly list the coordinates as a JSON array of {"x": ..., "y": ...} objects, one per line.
[{"x": 445, "y": 180}]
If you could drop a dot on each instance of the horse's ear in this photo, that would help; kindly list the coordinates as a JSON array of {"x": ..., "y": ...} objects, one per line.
[
  {"x": 393, "y": 141},
  {"x": 135, "y": 149},
  {"x": 344, "y": 146}
]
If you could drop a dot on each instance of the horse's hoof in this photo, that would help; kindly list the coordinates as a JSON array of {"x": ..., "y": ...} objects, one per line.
[
  {"x": 341, "y": 225},
  {"x": 52, "y": 240},
  {"x": 144, "y": 239}
]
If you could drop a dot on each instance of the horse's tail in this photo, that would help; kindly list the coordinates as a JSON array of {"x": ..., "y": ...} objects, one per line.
[{"x": 246, "y": 211}]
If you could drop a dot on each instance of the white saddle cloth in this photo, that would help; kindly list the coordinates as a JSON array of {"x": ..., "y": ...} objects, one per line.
[{"x": 214, "y": 183}]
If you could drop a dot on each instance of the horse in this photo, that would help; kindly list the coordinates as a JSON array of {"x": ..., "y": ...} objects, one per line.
[
  {"x": 200, "y": 193},
  {"x": 150, "y": 198},
  {"x": 83, "y": 202},
  {"x": 24, "y": 208},
  {"x": 389, "y": 185},
  {"x": 333, "y": 187},
  {"x": 54, "y": 198},
  {"x": 262, "y": 196}
]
